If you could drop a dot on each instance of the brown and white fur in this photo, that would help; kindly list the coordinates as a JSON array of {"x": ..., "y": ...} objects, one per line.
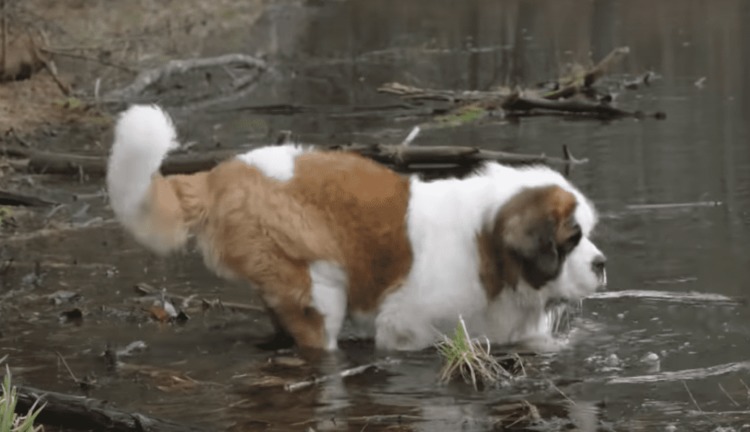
[{"x": 325, "y": 236}]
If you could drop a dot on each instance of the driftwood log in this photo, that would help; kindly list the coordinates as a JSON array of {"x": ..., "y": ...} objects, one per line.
[
  {"x": 82, "y": 413},
  {"x": 404, "y": 158}
]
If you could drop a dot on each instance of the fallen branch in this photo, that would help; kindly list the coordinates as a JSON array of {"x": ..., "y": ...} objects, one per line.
[
  {"x": 41, "y": 162},
  {"x": 82, "y": 413},
  {"x": 588, "y": 79},
  {"x": 404, "y": 156},
  {"x": 401, "y": 157},
  {"x": 20, "y": 200},
  {"x": 534, "y": 101},
  {"x": 516, "y": 103},
  {"x": 291, "y": 387},
  {"x": 149, "y": 77}
]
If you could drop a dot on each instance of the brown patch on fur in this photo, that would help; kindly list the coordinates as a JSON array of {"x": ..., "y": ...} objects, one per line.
[
  {"x": 529, "y": 238},
  {"x": 364, "y": 205},
  {"x": 339, "y": 207}
]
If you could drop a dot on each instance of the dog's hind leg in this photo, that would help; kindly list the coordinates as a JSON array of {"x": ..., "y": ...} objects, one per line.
[
  {"x": 329, "y": 294},
  {"x": 287, "y": 293}
]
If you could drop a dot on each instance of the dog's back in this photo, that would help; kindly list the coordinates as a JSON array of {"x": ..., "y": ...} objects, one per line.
[{"x": 318, "y": 233}]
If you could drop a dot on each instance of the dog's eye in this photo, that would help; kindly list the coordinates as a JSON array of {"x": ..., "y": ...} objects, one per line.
[{"x": 571, "y": 242}]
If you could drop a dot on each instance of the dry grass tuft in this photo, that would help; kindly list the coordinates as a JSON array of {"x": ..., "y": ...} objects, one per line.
[{"x": 472, "y": 360}]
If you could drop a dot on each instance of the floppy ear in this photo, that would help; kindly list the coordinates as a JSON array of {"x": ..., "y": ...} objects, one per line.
[
  {"x": 531, "y": 227},
  {"x": 532, "y": 242}
]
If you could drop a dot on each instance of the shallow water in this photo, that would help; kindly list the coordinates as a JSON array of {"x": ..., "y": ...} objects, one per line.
[{"x": 634, "y": 362}]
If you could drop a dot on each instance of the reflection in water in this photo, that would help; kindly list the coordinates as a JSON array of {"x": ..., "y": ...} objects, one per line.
[{"x": 336, "y": 53}]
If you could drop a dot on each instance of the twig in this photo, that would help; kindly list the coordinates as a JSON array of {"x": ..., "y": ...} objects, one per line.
[
  {"x": 412, "y": 135},
  {"x": 72, "y": 375},
  {"x": 148, "y": 290},
  {"x": 695, "y": 402},
  {"x": 721, "y": 387},
  {"x": 52, "y": 69},
  {"x": 234, "y": 306},
  {"x": 747, "y": 389},
  {"x": 80, "y": 383},
  {"x": 151, "y": 76},
  {"x": 291, "y": 387},
  {"x": 557, "y": 389}
]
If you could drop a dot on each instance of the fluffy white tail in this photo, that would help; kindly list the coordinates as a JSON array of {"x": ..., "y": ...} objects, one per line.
[{"x": 143, "y": 136}]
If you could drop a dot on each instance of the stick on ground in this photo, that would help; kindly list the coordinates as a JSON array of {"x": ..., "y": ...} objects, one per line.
[{"x": 291, "y": 387}]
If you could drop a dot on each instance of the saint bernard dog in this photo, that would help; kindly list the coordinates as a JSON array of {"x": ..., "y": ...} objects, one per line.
[{"x": 326, "y": 236}]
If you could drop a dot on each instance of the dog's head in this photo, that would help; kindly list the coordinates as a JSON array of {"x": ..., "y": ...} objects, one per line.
[{"x": 541, "y": 237}]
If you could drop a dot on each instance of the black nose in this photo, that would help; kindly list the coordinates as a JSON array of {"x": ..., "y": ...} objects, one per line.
[{"x": 598, "y": 264}]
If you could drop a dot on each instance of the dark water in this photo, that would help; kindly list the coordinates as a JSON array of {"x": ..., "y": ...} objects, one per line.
[{"x": 332, "y": 55}]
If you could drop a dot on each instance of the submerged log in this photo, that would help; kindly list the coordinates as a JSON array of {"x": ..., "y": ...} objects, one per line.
[{"x": 82, "y": 413}]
